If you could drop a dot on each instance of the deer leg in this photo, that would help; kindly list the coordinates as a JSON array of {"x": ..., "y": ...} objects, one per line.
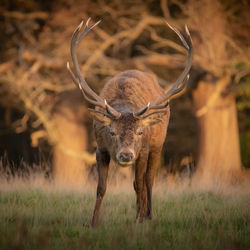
[
  {"x": 140, "y": 188},
  {"x": 103, "y": 160},
  {"x": 153, "y": 162}
]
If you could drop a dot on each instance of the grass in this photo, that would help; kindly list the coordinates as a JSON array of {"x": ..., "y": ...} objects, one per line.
[{"x": 38, "y": 219}]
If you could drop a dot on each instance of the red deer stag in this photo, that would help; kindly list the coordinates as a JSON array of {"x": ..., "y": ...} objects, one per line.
[{"x": 130, "y": 121}]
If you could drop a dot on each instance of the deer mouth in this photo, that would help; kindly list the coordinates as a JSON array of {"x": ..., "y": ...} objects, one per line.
[{"x": 125, "y": 163}]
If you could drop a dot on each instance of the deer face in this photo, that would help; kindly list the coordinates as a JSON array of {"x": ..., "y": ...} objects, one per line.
[{"x": 124, "y": 136}]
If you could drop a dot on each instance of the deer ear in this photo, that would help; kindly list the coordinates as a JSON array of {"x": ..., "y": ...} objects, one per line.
[
  {"x": 100, "y": 117},
  {"x": 153, "y": 118}
]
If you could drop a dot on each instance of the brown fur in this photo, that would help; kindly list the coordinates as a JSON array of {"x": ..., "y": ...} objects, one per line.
[{"x": 128, "y": 92}]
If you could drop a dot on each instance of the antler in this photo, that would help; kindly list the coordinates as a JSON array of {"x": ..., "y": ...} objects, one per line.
[
  {"x": 180, "y": 83},
  {"x": 79, "y": 80}
]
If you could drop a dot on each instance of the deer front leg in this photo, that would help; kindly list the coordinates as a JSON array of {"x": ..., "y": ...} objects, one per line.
[
  {"x": 140, "y": 187},
  {"x": 103, "y": 160},
  {"x": 153, "y": 162}
]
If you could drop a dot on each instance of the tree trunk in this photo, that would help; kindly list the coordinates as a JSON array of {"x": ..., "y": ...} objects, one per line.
[
  {"x": 70, "y": 116},
  {"x": 68, "y": 166},
  {"x": 219, "y": 156}
]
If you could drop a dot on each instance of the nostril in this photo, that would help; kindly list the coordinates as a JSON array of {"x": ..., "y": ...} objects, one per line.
[
  {"x": 125, "y": 157},
  {"x": 129, "y": 156}
]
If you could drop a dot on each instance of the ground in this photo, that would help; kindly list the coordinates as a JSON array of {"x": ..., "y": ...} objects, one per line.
[{"x": 52, "y": 218}]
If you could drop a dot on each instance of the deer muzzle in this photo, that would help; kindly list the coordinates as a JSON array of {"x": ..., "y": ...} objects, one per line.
[{"x": 125, "y": 158}]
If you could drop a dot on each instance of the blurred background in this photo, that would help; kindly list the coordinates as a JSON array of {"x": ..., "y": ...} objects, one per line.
[{"x": 44, "y": 123}]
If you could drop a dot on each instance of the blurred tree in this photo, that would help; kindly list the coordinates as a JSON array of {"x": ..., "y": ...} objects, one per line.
[
  {"x": 73, "y": 127},
  {"x": 217, "y": 53}
]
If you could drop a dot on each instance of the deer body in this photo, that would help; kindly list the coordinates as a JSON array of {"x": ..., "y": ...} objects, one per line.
[
  {"x": 127, "y": 92},
  {"x": 130, "y": 120}
]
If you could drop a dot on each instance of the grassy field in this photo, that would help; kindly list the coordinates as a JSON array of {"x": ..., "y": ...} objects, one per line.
[{"x": 34, "y": 218}]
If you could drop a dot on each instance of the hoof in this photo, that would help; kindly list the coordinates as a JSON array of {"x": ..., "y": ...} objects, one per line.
[
  {"x": 148, "y": 217},
  {"x": 139, "y": 220},
  {"x": 86, "y": 225}
]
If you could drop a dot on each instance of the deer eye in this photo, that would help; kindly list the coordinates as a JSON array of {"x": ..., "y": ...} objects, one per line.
[
  {"x": 140, "y": 132},
  {"x": 112, "y": 133}
]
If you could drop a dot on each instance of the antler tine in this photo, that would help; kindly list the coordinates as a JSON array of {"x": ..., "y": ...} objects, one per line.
[
  {"x": 79, "y": 79},
  {"x": 142, "y": 111},
  {"x": 174, "y": 91},
  {"x": 86, "y": 29},
  {"x": 181, "y": 82},
  {"x": 178, "y": 33},
  {"x": 151, "y": 106}
]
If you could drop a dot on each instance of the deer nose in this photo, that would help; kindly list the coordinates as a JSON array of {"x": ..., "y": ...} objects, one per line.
[{"x": 125, "y": 157}]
